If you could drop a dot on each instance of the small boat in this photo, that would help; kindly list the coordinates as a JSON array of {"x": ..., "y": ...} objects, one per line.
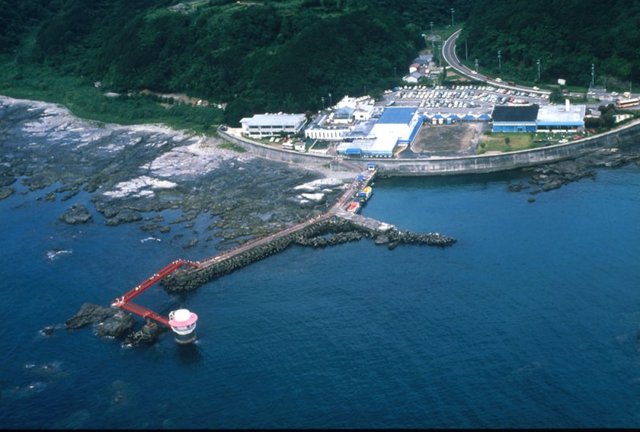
[
  {"x": 365, "y": 194},
  {"x": 353, "y": 207}
]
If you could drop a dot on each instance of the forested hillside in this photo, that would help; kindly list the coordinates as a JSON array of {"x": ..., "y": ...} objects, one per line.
[
  {"x": 256, "y": 56},
  {"x": 567, "y": 36},
  {"x": 286, "y": 55}
]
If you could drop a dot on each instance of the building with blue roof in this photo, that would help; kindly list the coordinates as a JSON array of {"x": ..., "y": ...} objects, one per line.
[
  {"x": 396, "y": 126},
  {"x": 397, "y": 115}
]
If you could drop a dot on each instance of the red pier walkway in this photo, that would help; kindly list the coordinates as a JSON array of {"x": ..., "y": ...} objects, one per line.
[{"x": 124, "y": 302}]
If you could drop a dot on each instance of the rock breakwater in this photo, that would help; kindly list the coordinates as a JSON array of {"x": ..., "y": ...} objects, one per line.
[{"x": 327, "y": 232}]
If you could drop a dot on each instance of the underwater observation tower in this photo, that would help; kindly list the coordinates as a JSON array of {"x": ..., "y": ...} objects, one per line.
[{"x": 183, "y": 324}]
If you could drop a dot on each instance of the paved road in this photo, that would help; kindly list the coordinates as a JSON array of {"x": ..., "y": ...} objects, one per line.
[{"x": 450, "y": 56}]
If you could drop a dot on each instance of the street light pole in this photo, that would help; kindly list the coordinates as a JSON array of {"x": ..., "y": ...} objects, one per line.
[
  {"x": 322, "y": 102},
  {"x": 477, "y": 65},
  {"x": 431, "y": 23},
  {"x": 500, "y": 61},
  {"x": 593, "y": 74},
  {"x": 330, "y": 100},
  {"x": 538, "y": 63},
  {"x": 452, "y": 10}
]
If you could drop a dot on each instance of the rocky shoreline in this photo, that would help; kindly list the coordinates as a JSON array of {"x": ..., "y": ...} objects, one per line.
[
  {"x": 552, "y": 176},
  {"x": 152, "y": 176}
]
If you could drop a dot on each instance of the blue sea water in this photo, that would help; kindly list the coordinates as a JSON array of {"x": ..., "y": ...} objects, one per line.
[{"x": 529, "y": 320}]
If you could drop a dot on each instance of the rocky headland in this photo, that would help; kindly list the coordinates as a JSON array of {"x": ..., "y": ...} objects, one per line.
[{"x": 552, "y": 176}]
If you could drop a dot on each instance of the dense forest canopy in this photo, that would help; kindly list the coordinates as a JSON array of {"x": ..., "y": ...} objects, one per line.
[
  {"x": 286, "y": 55},
  {"x": 256, "y": 56},
  {"x": 566, "y": 36}
]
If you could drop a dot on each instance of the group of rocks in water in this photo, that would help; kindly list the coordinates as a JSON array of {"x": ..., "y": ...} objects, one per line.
[
  {"x": 114, "y": 323},
  {"x": 555, "y": 175}
]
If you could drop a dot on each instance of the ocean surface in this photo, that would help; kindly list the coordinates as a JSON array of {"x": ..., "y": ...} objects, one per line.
[{"x": 530, "y": 320}]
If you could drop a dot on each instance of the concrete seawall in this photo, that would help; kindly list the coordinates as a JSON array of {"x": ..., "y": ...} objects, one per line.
[{"x": 624, "y": 135}]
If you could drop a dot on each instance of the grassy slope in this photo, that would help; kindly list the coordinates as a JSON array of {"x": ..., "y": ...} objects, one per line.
[{"x": 84, "y": 100}]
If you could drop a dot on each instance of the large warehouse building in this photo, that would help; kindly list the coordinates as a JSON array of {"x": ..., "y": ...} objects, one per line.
[
  {"x": 532, "y": 118},
  {"x": 396, "y": 125}
]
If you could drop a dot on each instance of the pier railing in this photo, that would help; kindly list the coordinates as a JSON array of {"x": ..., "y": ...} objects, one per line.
[{"x": 124, "y": 302}]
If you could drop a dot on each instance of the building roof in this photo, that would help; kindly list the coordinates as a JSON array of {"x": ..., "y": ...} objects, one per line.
[
  {"x": 522, "y": 113},
  {"x": 397, "y": 115},
  {"x": 274, "y": 119},
  {"x": 380, "y": 146},
  {"x": 558, "y": 115},
  {"x": 423, "y": 58},
  {"x": 344, "y": 112},
  {"x": 361, "y": 129}
]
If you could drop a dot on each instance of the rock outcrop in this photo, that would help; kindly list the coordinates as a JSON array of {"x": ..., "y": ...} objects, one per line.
[{"x": 77, "y": 214}]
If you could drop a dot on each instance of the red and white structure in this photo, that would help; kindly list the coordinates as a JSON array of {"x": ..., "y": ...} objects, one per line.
[{"x": 183, "y": 324}]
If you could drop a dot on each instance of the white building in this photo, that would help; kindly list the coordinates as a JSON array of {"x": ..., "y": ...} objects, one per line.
[
  {"x": 566, "y": 118},
  {"x": 268, "y": 125},
  {"x": 333, "y": 133},
  {"x": 346, "y": 114},
  {"x": 412, "y": 78}
]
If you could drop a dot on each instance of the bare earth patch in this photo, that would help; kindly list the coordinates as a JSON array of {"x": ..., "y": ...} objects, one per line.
[{"x": 447, "y": 140}]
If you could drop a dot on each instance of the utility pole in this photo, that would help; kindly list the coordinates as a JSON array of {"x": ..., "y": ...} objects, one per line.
[
  {"x": 538, "y": 63},
  {"x": 500, "y": 61},
  {"x": 452, "y": 17},
  {"x": 476, "y": 65},
  {"x": 330, "y": 100},
  {"x": 593, "y": 74},
  {"x": 322, "y": 102},
  {"x": 431, "y": 23},
  {"x": 466, "y": 53}
]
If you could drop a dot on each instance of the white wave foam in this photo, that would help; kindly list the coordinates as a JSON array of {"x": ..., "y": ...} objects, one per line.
[
  {"x": 140, "y": 186},
  {"x": 148, "y": 239},
  {"x": 56, "y": 253}
]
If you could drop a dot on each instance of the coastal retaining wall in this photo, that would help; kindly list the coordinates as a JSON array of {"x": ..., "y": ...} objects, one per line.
[
  {"x": 278, "y": 154},
  {"x": 624, "y": 135}
]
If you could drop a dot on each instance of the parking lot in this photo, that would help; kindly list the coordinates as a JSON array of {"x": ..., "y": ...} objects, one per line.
[{"x": 460, "y": 99}]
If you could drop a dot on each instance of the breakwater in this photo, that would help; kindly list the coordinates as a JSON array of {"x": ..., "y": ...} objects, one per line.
[
  {"x": 624, "y": 135},
  {"x": 322, "y": 232}
]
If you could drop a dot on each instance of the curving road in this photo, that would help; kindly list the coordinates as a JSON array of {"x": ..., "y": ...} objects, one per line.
[{"x": 450, "y": 56}]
